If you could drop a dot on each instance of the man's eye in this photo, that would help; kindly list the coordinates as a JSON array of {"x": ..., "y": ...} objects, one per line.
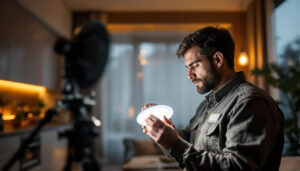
[{"x": 195, "y": 65}]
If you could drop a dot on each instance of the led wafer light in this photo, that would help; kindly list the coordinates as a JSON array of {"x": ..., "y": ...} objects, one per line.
[{"x": 159, "y": 111}]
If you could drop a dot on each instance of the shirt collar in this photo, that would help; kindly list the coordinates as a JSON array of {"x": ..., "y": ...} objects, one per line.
[{"x": 229, "y": 85}]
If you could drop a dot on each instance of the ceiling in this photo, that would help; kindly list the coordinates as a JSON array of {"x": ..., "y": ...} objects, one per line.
[{"x": 157, "y": 5}]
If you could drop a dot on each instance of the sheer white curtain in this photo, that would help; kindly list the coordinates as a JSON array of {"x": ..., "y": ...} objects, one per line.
[{"x": 142, "y": 68}]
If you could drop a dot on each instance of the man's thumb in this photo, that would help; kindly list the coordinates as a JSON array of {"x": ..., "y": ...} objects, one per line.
[{"x": 168, "y": 121}]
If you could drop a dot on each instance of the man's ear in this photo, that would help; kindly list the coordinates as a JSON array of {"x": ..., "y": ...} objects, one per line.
[{"x": 218, "y": 60}]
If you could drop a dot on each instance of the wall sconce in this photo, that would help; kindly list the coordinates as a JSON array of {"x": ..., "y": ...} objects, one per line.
[{"x": 243, "y": 59}]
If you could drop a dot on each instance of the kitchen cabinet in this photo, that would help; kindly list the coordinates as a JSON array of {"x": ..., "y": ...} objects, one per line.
[
  {"x": 53, "y": 151},
  {"x": 46, "y": 152},
  {"x": 26, "y": 48},
  {"x": 7, "y": 147}
]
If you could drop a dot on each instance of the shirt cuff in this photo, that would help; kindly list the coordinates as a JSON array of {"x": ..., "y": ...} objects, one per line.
[{"x": 180, "y": 149}]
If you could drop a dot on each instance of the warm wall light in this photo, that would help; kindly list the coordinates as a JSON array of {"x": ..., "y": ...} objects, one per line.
[
  {"x": 22, "y": 86},
  {"x": 243, "y": 59}
]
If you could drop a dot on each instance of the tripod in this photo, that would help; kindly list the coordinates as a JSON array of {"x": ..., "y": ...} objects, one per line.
[{"x": 81, "y": 137}]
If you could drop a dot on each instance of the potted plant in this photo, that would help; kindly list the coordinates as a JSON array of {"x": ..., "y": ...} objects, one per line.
[
  {"x": 286, "y": 77},
  {"x": 3, "y": 103},
  {"x": 37, "y": 110},
  {"x": 20, "y": 114}
]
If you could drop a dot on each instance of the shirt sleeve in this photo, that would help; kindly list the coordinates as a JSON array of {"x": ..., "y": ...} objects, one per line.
[
  {"x": 250, "y": 136},
  {"x": 184, "y": 135}
]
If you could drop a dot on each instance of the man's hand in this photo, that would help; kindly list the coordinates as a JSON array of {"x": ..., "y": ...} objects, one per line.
[
  {"x": 147, "y": 105},
  {"x": 161, "y": 132}
]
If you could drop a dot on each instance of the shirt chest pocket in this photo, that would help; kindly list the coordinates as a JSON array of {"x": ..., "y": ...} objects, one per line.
[
  {"x": 211, "y": 124},
  {"x": 211, "y": 128},
  {"x": 210, "y": 135}
]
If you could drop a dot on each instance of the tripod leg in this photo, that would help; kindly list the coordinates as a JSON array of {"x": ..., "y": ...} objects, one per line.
[
  {"x": 90, "y": 164},
  {"x": 68, "y": 165},
  {"x": 70, "y": 157}
]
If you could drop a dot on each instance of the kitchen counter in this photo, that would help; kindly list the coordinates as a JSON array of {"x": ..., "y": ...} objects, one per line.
[
  {"x": 26, "y": 130},
  {"x": 47, "y": 151}
]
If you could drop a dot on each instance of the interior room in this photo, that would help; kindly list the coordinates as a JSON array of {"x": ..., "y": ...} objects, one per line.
[{"x": 61, "y": 108}]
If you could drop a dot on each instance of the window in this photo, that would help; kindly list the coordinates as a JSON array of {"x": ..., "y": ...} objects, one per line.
[
  {"x": 142, "y": 69},
  {"x": 288, "y": 54},
  {"x": 287, "y": 25}
]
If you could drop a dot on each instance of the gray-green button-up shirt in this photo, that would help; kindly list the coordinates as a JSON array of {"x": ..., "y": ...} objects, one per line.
[{"x": 238, "y": 127}]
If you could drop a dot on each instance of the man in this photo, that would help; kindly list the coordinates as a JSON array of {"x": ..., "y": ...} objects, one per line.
[{"x": 237, "y": 127}]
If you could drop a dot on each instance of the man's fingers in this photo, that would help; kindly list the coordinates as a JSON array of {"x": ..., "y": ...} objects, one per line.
[
  {"x": 167, "y": 120},
  {"x": 144, "y": 129},
  {"x": 153, "y": 133},
  {"x": 156, "y": 121},
  {"x": 149, "y": 122},
  {"x": 147, "y": 105}
]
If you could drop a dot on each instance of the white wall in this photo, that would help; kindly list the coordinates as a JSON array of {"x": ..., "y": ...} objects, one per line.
[{"x": 53, "y": 13}]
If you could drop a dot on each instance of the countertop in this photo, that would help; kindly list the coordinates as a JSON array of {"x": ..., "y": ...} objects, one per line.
[{"x": 28, "y": 129}]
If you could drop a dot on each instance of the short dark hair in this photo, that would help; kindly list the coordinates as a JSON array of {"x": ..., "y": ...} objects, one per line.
[{"x": 210, "y": 40}]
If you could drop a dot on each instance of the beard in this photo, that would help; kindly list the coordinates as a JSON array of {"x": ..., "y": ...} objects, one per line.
[{"x": 210, "y": 81}]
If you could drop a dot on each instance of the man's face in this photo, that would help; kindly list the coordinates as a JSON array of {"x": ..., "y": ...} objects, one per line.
[{"x": 201, "y": 71}]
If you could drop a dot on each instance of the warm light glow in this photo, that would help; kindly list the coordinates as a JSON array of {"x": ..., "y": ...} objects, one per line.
[
  {"x": 22, "y": 86},
  {"x": 8, "y": 117},
  {"x": 42, "y": 115},
  {"x": 186, "y": 27},
  {"x": 143, "y": 52},
  {"x": 139, "y": 75},
  {"x": 29, "y": 115},
  {"x": 243, "y": 59},
  {"x": 131, "y": 111},
  {"x": 143, "y": 62},
  {"x": 77, "y": 30}
]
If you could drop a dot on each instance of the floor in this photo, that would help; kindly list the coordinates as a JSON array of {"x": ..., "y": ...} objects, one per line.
[{"x": 111, "y": 168}]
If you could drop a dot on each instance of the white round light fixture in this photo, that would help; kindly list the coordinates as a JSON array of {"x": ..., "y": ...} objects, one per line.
[{"x": 158, "y": 110}]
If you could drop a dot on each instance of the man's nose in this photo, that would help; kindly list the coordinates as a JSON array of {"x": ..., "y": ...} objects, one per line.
[{"x": 191, "y": 74}]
